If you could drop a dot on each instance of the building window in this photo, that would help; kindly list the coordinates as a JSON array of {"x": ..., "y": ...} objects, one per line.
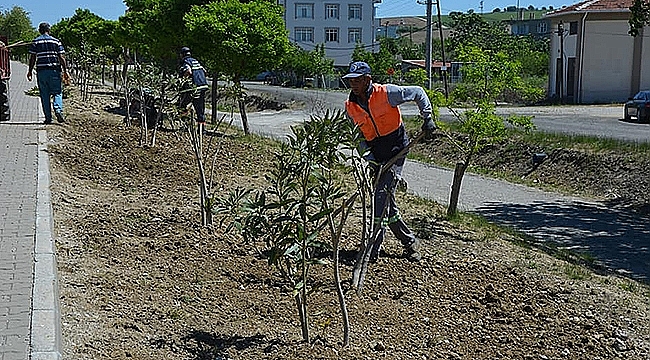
[
  {"x": 304, "y": 11},
  {"x": 331, "y": 11},
  {"x": 354, "y": 12},
  {"x": 354, "y": 35},
  {"x": 522, "y": 29},
  {"x": 331, "y": 34},
  {"x": 542, "y": 28},
  {"x": 304, "y": 34},
  {"x": 573, "y": 27}
]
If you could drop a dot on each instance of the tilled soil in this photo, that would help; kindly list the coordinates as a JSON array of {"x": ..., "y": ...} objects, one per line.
[{"x": 139, "y": 277}]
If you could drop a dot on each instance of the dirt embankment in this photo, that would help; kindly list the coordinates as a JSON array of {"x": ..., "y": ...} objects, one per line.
[
  {"x": 617, "y": 177},
  {"x": 140, "y": 279}
]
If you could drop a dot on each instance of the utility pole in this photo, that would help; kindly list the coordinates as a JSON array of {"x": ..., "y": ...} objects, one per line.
[
  {"x": 427, "y": 57},
  {"x": 442, "y": 46},
  {"x": 560, "y": 64}
]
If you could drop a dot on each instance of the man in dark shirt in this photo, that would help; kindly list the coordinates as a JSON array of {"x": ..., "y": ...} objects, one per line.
[
  {"x": 48, "y": 55},
  {"x": 195, "y": 92}
]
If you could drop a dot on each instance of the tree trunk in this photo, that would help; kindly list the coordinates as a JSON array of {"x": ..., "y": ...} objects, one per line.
[
  {"x": 159, "y": 113},
  {"x": 196, "y": 134},
  {"x": 459, "y": 172},
  {"x": 244, "y": 117},
  {"x": 303, "y": 317},
  {"x": 213, "y": 99},
  {"x": 336, "y": 241}
]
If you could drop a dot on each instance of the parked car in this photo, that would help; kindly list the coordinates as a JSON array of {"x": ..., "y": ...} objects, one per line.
[
  {"x": 264, "y": 76},
  {"x": 638, "y": 107}
]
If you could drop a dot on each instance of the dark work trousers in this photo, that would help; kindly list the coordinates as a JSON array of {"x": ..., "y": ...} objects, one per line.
[
  {"x": 385, "y": 199},
  {"x": 197, "y": 98}
]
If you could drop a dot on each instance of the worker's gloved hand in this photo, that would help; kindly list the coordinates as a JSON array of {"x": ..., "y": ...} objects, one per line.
[{"x": 429, "y": 127}]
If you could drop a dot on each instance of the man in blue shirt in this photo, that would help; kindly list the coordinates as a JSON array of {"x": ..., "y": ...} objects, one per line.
[
  {"x": 195, "y": 92},
  {"x": 48, "y": 55}
]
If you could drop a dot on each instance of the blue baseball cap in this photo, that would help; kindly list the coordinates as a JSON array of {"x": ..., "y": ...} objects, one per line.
[{"x": 357, "y": 69}]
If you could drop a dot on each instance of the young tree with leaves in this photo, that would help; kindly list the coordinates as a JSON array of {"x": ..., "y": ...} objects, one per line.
[
  {"x": 248, "y": 38},
  {"x": 306, "y": 204},
  {"x": 486, "y": 75}
]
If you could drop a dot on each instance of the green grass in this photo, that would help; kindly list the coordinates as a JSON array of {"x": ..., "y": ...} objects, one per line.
[
  {"x": 555, "y": 140},
  {"x": 576, "y": 272},
  {"x": 630, "y": 286}
]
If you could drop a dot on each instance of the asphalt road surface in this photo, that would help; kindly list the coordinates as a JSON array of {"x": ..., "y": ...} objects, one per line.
[
  {"x": 604, "y": 121},
  {"x": 619, "y": 241}
]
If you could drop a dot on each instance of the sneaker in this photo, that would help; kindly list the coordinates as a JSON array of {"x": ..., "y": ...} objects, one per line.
[
  {"x": 47, "y": 122},
  {"x": 412, "y": 252},
  {"x": 59, "y": 117}
]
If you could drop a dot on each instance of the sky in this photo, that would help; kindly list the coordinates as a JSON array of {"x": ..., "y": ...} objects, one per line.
[{"x": 54, "y": 10}]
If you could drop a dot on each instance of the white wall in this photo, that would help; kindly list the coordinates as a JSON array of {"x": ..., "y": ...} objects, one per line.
[
  {"x": 607, "y": 62},
  {"x": 645, "y": 62}
]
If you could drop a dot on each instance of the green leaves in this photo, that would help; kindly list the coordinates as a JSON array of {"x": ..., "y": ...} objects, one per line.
[
  {"x": 248, "y": 37},
  {"x": 640, "y": 16}
]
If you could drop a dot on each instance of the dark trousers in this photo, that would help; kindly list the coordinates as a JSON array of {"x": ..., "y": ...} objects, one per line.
[
  {"x": 385, "y": 204},
  {"x": 197, "y": 98}
]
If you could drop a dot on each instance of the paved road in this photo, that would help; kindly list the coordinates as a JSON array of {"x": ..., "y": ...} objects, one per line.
[
  {"x": 29, "y": 319},
  {"x": 619, "y": 241},
  {"x": 594, "y": 120}
]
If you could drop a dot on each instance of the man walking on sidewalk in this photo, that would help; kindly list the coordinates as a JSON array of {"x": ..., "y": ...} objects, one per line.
[
  {"x": 48, "y": 55},
  {"x": 374, "y": 108}
]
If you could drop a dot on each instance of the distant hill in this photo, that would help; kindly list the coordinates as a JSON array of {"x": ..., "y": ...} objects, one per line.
[
  {"x": 489, "y": 16},
  {"x": 414, "y": 27},
  {"x": 500, "y": 16}
]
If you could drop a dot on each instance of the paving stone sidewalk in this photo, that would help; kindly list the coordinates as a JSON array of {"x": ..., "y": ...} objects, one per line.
[{"x": 29, "y": 318}]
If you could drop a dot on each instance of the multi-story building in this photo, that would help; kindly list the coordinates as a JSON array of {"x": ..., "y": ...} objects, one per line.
[{"x": 338, "y": 24}]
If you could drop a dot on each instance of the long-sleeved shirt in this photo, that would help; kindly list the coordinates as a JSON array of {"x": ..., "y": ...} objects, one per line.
[{"x": 384, "y": 147}]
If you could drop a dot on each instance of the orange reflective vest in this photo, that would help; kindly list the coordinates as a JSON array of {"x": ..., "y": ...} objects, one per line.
[{"x": 382, "y": 120}]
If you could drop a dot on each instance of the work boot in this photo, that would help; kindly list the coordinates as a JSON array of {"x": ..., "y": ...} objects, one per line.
[
  {"x": 374, "y": 252},
  {"x": 412, "y": 252},
  {"x": 59, "y": 117}
]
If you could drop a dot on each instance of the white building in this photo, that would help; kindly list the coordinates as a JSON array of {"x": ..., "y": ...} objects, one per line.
[
  {"x": 593, "y": 58},
  {"x": 338, "y": 24}
]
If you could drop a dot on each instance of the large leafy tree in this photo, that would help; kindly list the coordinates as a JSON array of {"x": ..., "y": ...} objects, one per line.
[
  {"x": 248, "y": 38},
  {"x": 16, "y": 25},
  {"x": 85, "y": 32},
  {"x": 472, "y": 30},
  {"x": 156, "y": 27},
  {"x": 386, "y": 58}
]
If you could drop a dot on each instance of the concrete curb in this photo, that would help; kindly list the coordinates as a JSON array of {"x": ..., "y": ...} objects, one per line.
[{"x": 46, "y": 316}]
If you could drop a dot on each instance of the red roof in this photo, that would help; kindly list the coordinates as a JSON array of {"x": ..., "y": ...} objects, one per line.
[{"x": 593, "y": 6}]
